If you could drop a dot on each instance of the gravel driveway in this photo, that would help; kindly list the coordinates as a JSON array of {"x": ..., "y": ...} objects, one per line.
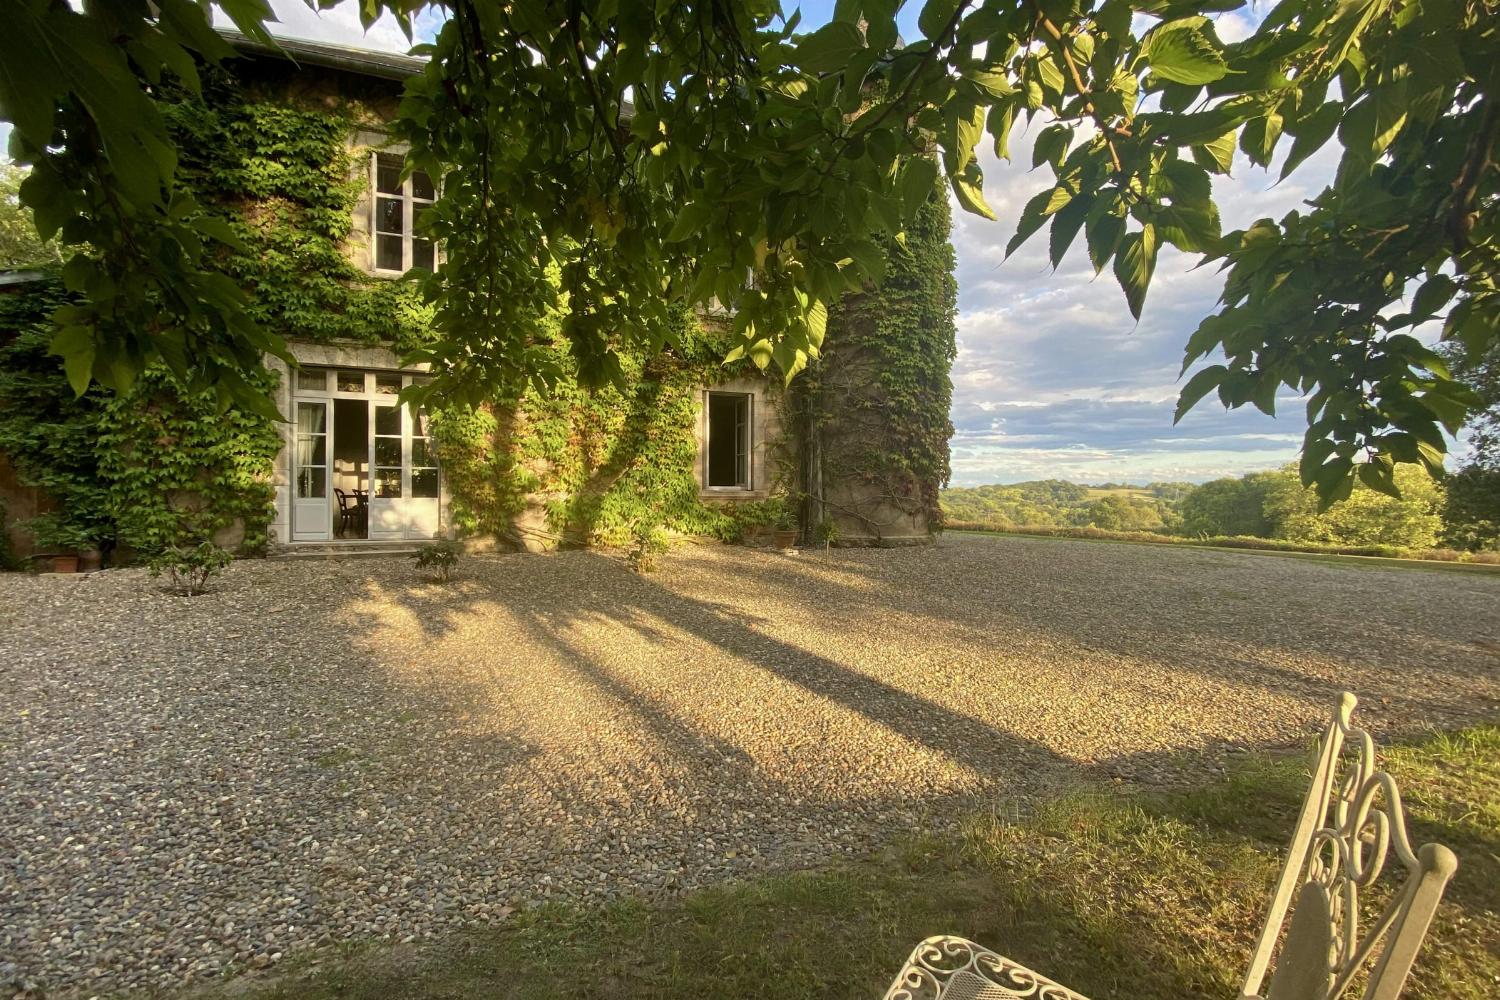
[{"x": 321, "y": 751}]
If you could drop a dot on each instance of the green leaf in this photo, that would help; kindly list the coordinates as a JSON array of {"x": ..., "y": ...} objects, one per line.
[
  {"x": 1065, "y": 225},
  {"x": 1050, "y": 145},
  {"x": 1379, "y": 476},
  {"x": 1179, "y": 51},
  {"x": 967, "y": 128},
  {"x": 969, "y": 188},
  {"x": 1032, "y": 217},
  {"x": 917, "y": 181},
  {"x": 1312, "y": 133},
  {"x": 935, "y": 17},
  {"x": 1198, "y": 386},
  {"x": 689, "y": 221},
  {"x": 1217, "y": 154},
  {"x": 829, "y": 48},
  {"x": 1134, "y": 265},
  {"x": 1434, "y": 294},
  {"x": 1002, "y": 117},
  {"x": 1103, "y": 232},
  {"x": 75, "y": 345}
]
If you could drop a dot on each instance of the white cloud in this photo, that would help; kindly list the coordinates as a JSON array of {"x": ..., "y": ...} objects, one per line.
[{"x": 1054, "y": 377}]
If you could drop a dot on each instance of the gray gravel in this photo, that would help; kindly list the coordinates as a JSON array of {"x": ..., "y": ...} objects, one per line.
[{"x": 324, "y": 751}]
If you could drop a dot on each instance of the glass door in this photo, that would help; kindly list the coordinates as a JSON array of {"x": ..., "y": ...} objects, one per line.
[
  {"x": 387, "y": 485},
  {"x": 311, "y": 513},
  {"x": 404, "y": 498}
]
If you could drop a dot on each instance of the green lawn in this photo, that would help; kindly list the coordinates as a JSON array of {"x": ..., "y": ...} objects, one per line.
[{"x": 1120, "y": 895}]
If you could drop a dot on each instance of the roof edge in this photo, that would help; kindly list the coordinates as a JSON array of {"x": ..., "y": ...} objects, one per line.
[{"x": 330, "y": 55}]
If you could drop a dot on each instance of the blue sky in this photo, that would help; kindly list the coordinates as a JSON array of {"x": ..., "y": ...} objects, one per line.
[{"x": 1053, "y": 378}]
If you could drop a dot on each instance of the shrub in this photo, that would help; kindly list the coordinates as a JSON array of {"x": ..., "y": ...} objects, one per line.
[
  {"x": 56, "y": 532},
  {"x": 189, "y": 568},
  {"x": 439, "y": 559},
  {"x": 648, "y": 546}
]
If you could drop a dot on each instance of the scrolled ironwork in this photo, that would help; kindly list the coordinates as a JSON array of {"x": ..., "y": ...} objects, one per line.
[{"x": 945, "y": 966}]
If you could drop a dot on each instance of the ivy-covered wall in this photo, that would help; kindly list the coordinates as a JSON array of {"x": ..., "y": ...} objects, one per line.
[
  {"x": 271, "y": 150},
  {"x": 873, "y": 412},
  {"x": 142, "y": 470},
  {"x": 596, "y": 467}
]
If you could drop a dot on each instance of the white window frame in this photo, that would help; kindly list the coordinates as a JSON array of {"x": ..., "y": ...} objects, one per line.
[
  {"x": 410, "y": 207},
  {"x": 747, "y": 442}
]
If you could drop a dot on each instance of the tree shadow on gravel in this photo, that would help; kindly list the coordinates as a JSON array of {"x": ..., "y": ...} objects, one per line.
[{"x": 1204, "y": 624}]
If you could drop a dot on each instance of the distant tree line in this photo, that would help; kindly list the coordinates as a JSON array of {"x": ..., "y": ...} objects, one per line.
[{"x": 1460, "y": 513}]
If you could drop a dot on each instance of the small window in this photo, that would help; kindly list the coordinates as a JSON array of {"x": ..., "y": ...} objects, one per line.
[
  {"x": 387, "y": 385},
  {"x": 351, "y": 382},
  {"x": 397, "y": 205},
  {"x": 312, "y": 379},
  {"x": 727, "y": 465}
]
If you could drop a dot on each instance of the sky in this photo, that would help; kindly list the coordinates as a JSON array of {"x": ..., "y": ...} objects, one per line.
[{"x": 1054, "y": 378}]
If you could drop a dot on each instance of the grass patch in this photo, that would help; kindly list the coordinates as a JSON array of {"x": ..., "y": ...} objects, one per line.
[
  {"x": 1116, "y": 894},
  {"x": 1369, "y": 556}
]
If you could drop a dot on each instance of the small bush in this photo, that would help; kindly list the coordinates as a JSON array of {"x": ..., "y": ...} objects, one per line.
[
  {"x": 439, "y": 559},
  {"x": 188, "y": 569},
  {"x": 56, "y": 533},
  {"x": 645, "y": 553}
]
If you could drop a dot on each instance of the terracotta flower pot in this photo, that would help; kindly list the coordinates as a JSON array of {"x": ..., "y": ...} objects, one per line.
[
  {"x": 65, "y": 564},
  {"x": 90, "y": 560},
  {"x": 786, "y": 537}
]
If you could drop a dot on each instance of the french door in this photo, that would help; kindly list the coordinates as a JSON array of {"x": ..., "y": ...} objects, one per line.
[
  {"x": 311, "y": 472},
  {"x": 404, "y": 490},
  {"x": 391, "y": 468}
]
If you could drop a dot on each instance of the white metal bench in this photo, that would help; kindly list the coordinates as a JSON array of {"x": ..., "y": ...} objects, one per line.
[{"x": 1351, "y": 823}]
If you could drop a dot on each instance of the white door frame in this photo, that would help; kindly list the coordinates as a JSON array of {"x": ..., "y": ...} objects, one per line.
[{"x": 401, "y": 516}]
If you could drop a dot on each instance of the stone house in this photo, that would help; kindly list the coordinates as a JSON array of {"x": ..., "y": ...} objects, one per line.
[{"x": 695, "y": 448}]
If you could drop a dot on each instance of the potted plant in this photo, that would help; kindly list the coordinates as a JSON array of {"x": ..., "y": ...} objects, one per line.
[
  {"x": 786, "y": 528},
  {"x": 63, "y": 540}
]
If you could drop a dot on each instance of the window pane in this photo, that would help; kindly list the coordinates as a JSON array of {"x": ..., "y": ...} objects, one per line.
[
  {"x": 421, "y": 185},
  {"x": 728, "y": 442},
  {"x": 351, "y": 382},
  {"x": 388, "y": 253},
  {"x": 388, "y": 173},
  {"x": 388, "y": 451},
  {"x": 424, "y": 483},
  {"x": 312, "y": 418},
  {"x": 388, "y": 217},
  {"x": 312, "y": 483},
  {"x": 312, "y": 451},
  {"x": 388, "y": 420},
  {"x": 387, "y": 483},
  {"x": 315, "y": 379},
  {"x": 423, "y": 255},
  {"x": 387, "y": 385},
  {"x": 421, "y": 454}
]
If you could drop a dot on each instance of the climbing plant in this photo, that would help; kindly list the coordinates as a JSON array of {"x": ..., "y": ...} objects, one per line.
[
  {"x": 577, "y": 465},
  {"x": 180, "y": 471},
  {"x": 281, "y": 175},
  {"x": 874, "y": 408},
  {"x": 152, "y": 468},
  {"x": 47, "y": 433}
]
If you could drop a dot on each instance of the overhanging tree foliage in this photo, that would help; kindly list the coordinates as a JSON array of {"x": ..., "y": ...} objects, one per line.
[{"x": 656, "y": 154}]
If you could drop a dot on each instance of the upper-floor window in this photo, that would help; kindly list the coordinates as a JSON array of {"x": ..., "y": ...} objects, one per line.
[{"x": 396, "y": 246}]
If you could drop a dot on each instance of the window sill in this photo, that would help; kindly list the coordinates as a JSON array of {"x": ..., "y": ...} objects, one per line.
[{"x": 727, "y": 493}]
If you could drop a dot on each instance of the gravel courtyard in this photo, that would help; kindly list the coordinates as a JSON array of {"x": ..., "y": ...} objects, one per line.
[{"x": 322, "y": 751}]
